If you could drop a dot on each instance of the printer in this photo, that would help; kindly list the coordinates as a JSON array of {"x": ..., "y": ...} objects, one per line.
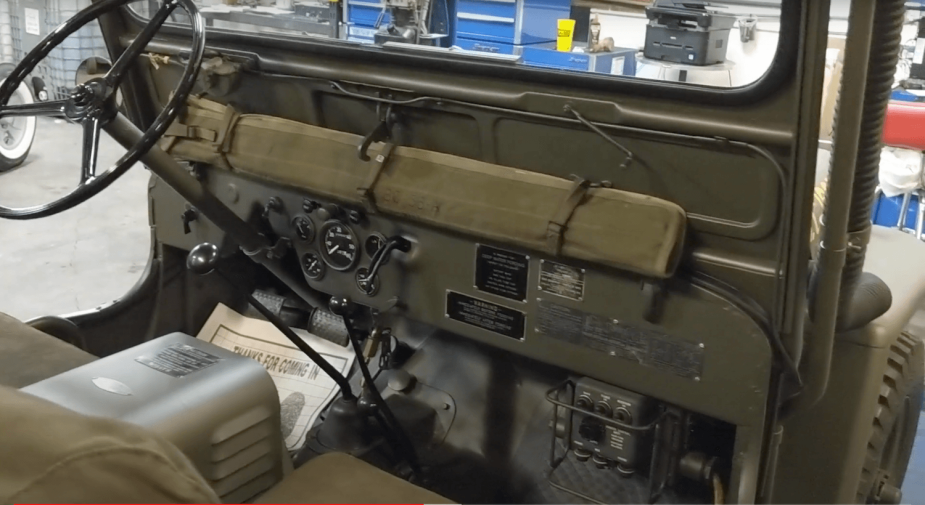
[{"x": 685, "y": 31}]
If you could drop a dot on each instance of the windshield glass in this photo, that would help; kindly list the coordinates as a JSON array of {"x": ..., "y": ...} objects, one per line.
[{"x": 724, "y": 44}]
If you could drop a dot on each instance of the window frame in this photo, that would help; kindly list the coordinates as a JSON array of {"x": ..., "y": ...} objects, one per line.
[{"x": 781, "y": 68}]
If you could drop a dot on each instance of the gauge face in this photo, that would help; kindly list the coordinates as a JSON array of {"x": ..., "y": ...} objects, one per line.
[
  {"x": 304, "y": 229},
  {"x": 339, "y": 247},
  {"x": 312, "y": 266},
  {"x": 367, "y": 286},
  {"x": 373, "y": 243}
]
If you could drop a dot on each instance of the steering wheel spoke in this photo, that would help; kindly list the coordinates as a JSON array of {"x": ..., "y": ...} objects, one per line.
[
  {"x": 120, "y": 67},
  {"x": 91, "y": 149},
  {"x": 54, "y": 108},
  {"x": 91, "y": 104}
]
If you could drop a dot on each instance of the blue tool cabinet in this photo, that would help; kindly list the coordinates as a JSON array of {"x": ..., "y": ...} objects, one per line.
[
  {"x": 507, "y": 26},
  {"x": 887, "y": 209},
  {"x": 361, "y": 16},
  {"x": 619, "y": 62}
]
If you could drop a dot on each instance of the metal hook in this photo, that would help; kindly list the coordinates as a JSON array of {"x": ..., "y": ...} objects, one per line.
[{"x": 381, "y": 132}]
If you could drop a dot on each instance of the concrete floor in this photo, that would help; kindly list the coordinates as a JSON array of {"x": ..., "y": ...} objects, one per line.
[
  {"x": 95, "y": 252},
  {"x": 83, "y": 257}
]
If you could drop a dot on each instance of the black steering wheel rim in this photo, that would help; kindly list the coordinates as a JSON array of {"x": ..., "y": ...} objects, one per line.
[{"x": 92, "y": 103}]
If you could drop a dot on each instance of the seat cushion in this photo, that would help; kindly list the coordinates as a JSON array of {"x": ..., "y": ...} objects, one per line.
[
  {"x": 49, "y": 454},
  {"x": 28, "y": 355},
  {"x": 898, "y": 258},
  {"x": 340, "y": 478}
]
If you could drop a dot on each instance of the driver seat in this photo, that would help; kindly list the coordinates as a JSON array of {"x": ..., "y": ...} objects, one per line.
[{"x": 28, "y": 355}]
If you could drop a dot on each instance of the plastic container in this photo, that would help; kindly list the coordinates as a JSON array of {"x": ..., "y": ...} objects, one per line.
[{"x": 60, "y": 67}]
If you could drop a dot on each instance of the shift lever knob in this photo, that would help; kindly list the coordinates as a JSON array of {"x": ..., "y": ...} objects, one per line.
[
  {"x": 202, "y": 259},
  {"x": 342, "y": 307}
]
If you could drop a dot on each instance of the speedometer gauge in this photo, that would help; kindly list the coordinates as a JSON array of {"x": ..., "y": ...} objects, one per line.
[{"x": 339, "y": 246}]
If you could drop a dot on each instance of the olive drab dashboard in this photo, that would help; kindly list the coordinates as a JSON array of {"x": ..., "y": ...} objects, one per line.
[{"x": 574, "y": 284}]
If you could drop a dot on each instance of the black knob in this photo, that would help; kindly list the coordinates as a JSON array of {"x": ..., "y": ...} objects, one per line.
[
  {"x": 591, "y": 430},
  {"x": 309, "y": 206},
  {"x": 355, "y": 216},
  {"x": 341, "y": 306},
  {"x": 202, "y": 259},
  {"x": 583, "y": 403}
]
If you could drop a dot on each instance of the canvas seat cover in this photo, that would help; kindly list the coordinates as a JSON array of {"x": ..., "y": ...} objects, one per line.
[{"x": 28, "y": 355}]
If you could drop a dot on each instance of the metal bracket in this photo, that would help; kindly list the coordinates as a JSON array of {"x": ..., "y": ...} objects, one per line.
[{"x": 382, "y": 131}]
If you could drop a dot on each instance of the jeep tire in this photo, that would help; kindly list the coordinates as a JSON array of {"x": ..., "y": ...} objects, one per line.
[{"x": 894, "y": 426}]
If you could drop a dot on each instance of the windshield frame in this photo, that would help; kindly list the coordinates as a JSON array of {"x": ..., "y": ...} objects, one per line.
[{"x": 780, "y": 70}]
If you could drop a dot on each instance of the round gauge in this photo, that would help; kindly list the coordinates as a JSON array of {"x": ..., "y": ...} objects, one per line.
[
  {"x": 369, "y": 287},
  {"x": 340, "y": 248},
  {"x": 304, "y": 229},
  {"x": 312, "y": 266},
  {"x": 373, "y": 243}
]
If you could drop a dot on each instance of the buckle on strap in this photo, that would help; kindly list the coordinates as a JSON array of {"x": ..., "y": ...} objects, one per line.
[
  {"x": 366, "y": 190},
  {"x": 555, "y": 228}
]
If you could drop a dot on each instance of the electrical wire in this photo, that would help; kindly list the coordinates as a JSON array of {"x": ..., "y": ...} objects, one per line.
[{"x": 753, "y": 310}]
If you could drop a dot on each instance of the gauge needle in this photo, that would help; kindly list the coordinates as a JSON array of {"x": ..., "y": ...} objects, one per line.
[{"x": 333, "y": 249}]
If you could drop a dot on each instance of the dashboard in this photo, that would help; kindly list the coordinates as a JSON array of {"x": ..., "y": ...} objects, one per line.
[{"x": 584, "y": 317}]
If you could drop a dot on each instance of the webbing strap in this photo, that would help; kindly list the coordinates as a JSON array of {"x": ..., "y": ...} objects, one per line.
[
  {"x": 222, "y": 141},
  {"x": 555, "y": 230},
  {"x": 369, "y": 184}
]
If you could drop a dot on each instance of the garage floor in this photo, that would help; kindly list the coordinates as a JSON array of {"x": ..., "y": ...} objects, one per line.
[
  {"x": 95, "y": 252},
  {"x": 83, "y": 257}
]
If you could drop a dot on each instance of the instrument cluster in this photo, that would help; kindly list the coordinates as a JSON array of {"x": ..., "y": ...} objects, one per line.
[{"x": 331, "y": 240}]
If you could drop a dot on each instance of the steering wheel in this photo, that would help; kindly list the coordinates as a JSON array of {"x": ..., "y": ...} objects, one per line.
[{"x": 93, "y": 103}]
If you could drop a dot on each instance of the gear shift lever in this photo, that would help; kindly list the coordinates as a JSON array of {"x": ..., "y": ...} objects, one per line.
[{"x": 345, "y": 427}]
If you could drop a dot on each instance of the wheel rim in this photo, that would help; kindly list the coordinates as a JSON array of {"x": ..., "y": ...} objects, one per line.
[{"x": 16, "y": 133}]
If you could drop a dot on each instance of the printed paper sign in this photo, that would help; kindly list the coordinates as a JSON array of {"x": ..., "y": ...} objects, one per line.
[
  {"x": 303, "y": 388},
  {"x": 32, "y": 21}
]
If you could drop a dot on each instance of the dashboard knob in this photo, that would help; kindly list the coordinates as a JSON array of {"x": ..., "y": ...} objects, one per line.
[
  {"x": 583, "y": 403},
  {"x": 328, "y": 211}
]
